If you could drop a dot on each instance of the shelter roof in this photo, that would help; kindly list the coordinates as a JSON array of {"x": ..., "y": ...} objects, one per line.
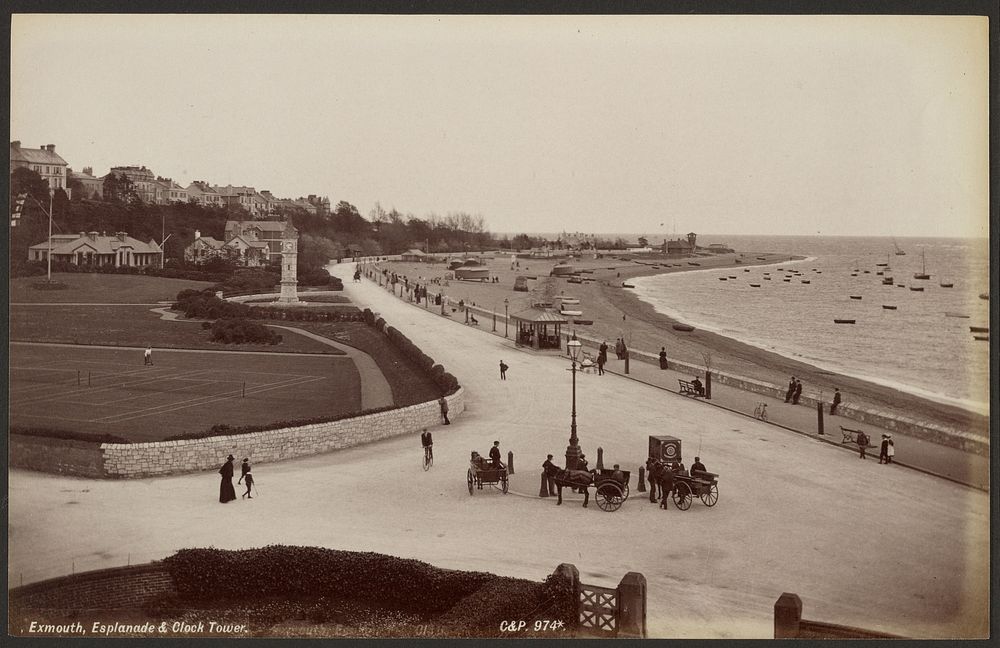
[{"x": 538, "y": 315}]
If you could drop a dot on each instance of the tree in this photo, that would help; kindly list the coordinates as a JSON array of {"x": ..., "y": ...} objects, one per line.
[
  {"x": 120, "y": 189},
  {"x": 643, "y": 242},
  {"x": 25, "y": 180}
]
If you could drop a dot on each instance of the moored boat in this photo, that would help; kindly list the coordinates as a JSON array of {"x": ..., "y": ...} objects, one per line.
[
  {"x": 923, "y": 268},
  {"x": 755, "y": 285},
  {"x": 805, "y": 281},
  {"x": 843, "y": 321},
  {"x": 982, "y": 338},
  {"x": 947, "y": 285},
  {"x": 917, "y": 288},
  {"x": 953, "y": 314},
  {"x": 855, "y": 296},
  {"x": 888, "y": 307},
  {"x": 985, "y": 296},
  {"x": 687, "y": 328},
  {"x": 979, "y": 329}
]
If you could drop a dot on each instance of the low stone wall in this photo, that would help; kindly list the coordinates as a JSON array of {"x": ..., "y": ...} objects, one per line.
[
  {"x": 131, "y": 460},
  {"x": 61, "y": 456},
  {"x": 240, "y": 299},
  {"x": 924, "y": 430},
  {"x": 117, "y": 587}
]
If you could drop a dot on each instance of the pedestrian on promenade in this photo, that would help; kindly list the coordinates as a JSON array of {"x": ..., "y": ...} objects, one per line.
[
  {"x": 862, "y": 444},
  {"x": 443, "y": 403},
  {"x": 601, "y": 359},
  {"x": 248, "y": 476},
  {"x": 503, "y": 370},
  {"x": 227, "y": 492},
  {"x": 836, "y": 401},
  {"x": 651, "y": 470},
  {"x": 883, "y": 450},
  {"x": 147, "y": 356},
  {"x": 663, "y": 357},
  {"x": 244, "y": 469},
  {"x": 495, "y": 455},
  {"x": 549, "y": 480},
  {"x": 791, "y": 389},
  {"x": 603, "y": 350},
  {"x": 890, "y": 450},
  {"x": 666, "y": 487},
  {"x": 619, "y": 345},
  {"x": 797, "y": 393}
]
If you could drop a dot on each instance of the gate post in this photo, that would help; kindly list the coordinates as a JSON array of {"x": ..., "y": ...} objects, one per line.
[
  {"x": 569, "y": 573},
  {"x": 787, "y": 615},
  {"x": 600, "y": 458},
  {"x": 632, "y": 606},
  {"x": 510, "y": 462},
  {"x": 819, "y": 418},
  {"x": 642, "y": 479}
]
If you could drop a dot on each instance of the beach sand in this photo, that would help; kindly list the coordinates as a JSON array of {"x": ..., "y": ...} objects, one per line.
[{"x": 617, "y": 312}]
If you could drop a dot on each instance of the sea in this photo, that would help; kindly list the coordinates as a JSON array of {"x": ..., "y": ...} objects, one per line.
[{"x": 924, "y": 346}]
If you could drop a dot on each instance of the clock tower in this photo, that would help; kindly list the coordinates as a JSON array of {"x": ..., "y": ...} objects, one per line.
[{"x": 289, "y": 259}]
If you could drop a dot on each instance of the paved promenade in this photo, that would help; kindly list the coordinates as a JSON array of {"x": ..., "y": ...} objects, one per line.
[{"x": 875, "y": 546}]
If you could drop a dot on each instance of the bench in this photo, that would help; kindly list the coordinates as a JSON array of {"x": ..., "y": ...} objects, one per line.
[
  {"x": 851, "y": 436},
  {"x": 688, "y": 389}
]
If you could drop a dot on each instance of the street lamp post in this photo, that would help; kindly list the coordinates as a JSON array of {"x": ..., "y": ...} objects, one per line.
[
  {"x": 573, "y": 449},
  {"x": 506, "y": 319}
]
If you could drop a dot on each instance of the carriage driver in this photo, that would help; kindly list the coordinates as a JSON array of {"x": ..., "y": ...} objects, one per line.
[
  {"x": 495, "y": 455},
  {"x": 697, "y": 466}
]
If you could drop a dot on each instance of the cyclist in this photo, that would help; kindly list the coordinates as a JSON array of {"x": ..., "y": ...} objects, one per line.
[
  {"x": 761, "y": 412},
  {"x": 428, "y": 442}
]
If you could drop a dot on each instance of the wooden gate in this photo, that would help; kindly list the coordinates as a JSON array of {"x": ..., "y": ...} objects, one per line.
[{"x": 598, "y": 608}]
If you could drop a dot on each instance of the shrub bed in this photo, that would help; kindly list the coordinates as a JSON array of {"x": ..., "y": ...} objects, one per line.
[
  {"x": 444, "y": 380},
  {"x": 203, "y": 304},
  {"x": 49, "y": 285},
  {"x": 242, "y": 331}
]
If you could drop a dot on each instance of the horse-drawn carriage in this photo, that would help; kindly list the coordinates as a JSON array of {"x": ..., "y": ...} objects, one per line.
[
  {"x": 482, "y": 472},
  {"x": 611, "y": 490},
  {"x": 665, "y": 454}
]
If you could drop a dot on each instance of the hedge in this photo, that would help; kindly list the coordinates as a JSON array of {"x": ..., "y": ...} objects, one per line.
[
  {"x": 69, "y": 435},
  {"x": 226, "y": 430},
  {"x": 203, "y": 304},
  {"x": 471, "y": 601}
]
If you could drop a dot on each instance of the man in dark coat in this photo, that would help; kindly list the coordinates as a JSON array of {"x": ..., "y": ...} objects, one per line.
[
  {"x": 666, "y": 486},
  {"x": 601, "y": 359},
  {"x": 495, "y": 455},
  {"x": 227, "y": 492},
  {"x": 443, "y": 403},
  {"x": 697, "y": 466},
  {"x": 503, "y": 370},
  {"x": 836, "y": 401},
  {"x": 651, "y": 469},
  {"x": 883, "y": 451},
  {"x": 546, "y": 466},
  {"x": 791, "y": 389},
  {"x": 862, "y": 444},
  {"x": 797, "y": 393}
]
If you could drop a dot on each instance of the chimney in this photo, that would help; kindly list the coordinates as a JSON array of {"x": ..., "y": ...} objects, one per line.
[
  {"x": 51, "y": 148},
  {"x": 83, "y": 234},
  {"x": 122, "y": 236},
  {"x": 92, "y": 236},
  {"x": 16, "y": 144},
  {"x": 197, "y": 235},
  {"x": 88, "y": 170}
]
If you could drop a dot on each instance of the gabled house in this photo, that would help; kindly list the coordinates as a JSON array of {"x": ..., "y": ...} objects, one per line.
[
  {"x": 202, "y": 193},
  {"x": 266, "y": 231},
  {"x": 239, "y": 249},
  {"x": 93, "y": 187}
]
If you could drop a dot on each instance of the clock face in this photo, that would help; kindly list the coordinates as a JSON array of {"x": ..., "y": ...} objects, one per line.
[{"x": 288, "y": 246}]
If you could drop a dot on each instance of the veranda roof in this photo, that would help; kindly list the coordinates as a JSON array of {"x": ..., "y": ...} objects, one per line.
[{"x": 538, "y": 315}]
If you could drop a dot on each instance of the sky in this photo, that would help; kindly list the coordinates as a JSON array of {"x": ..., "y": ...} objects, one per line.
[{"x": 801, "y": 125}]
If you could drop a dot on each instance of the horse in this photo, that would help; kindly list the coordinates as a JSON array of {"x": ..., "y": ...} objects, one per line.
[
  {"x": 581, "y": 479},
  {"x": 656, "y": 469}
]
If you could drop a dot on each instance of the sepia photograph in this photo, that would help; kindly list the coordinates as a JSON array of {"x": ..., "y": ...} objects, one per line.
[{"x": 438, "y": 326}]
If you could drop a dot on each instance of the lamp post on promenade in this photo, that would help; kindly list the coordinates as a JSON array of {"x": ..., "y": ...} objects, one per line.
[
  {"x": 573, "y": 449},
  {"x": 506, "y": 319}
]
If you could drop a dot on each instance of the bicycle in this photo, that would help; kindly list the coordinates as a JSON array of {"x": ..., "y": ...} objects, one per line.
[
  {"x": 428, "y": 457},
  {"x": 761, "y": 412}
]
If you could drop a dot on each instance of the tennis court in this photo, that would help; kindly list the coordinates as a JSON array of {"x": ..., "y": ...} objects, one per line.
[{"x": 109, "y": 390}]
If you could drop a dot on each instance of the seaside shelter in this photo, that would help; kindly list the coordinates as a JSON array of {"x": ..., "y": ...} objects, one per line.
[
  {"x": 413, "y": 255},
  {"x": 472, "y": 273},
  {"x": 539, "y": 328}
]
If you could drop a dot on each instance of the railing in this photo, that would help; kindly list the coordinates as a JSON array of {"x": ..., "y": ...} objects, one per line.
[{"x": 789, "y": 624}]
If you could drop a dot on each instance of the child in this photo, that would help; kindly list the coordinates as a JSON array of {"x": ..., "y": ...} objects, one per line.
[{"x": 246, "y": 474}]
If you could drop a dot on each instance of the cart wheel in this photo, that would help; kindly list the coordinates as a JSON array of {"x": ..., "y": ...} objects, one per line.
[
  {"x": 609, "y": 497},
  {"x": 626, "y": 492},
  {"x": 471, "y": 481},
  {"x": 503, "y": 484},
  {"x": 682, "y": 496},
  {"x": 711, "y": 496}
]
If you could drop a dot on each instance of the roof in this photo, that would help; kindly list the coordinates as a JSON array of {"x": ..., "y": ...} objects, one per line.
[
  {"x": 266, "y": 226},
  {"x": 101, "y": 244},
  {"x": 414, "y": 252},
  {"x": 538, "y": 315},
  {"x": 215, "y": 243},
  {"x": 35, "y": 156}
]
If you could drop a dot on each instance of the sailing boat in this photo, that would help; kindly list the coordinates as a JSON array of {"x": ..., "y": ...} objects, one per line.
[
  {"x": 899, "y": 251},
  {"x": 923, "y": 271}
]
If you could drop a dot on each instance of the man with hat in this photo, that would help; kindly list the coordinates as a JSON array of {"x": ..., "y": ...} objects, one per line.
[
  {"x": 495, "y": 456},
  {"x": 883, "y": 450}
]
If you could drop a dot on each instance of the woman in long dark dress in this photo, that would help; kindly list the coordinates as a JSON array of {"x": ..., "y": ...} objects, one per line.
[
  {"x": 227, "y": 492},
  {"x": 663, "y": 357}
]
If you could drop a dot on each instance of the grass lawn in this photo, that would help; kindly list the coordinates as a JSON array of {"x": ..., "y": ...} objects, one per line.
[
  {"x": 185, "y": 391},
  {"x": 409, "y": 384},
  {"x": 134, "y": 326},
  {"x": 92, "y": 288}
]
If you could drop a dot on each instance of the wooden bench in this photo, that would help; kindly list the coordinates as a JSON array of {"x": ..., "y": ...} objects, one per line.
[
  {"x": 851, "y": 436},
  {"x": 688, "y": 389}
]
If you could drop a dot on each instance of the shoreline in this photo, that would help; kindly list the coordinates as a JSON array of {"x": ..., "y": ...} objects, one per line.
[{"x": 619, "y": 312}]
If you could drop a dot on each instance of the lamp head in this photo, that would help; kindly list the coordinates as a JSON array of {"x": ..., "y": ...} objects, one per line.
[{"x": 574, "y": 348}]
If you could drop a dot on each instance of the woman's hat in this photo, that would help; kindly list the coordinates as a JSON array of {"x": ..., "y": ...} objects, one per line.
[{"x": 230, "y": 457}]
